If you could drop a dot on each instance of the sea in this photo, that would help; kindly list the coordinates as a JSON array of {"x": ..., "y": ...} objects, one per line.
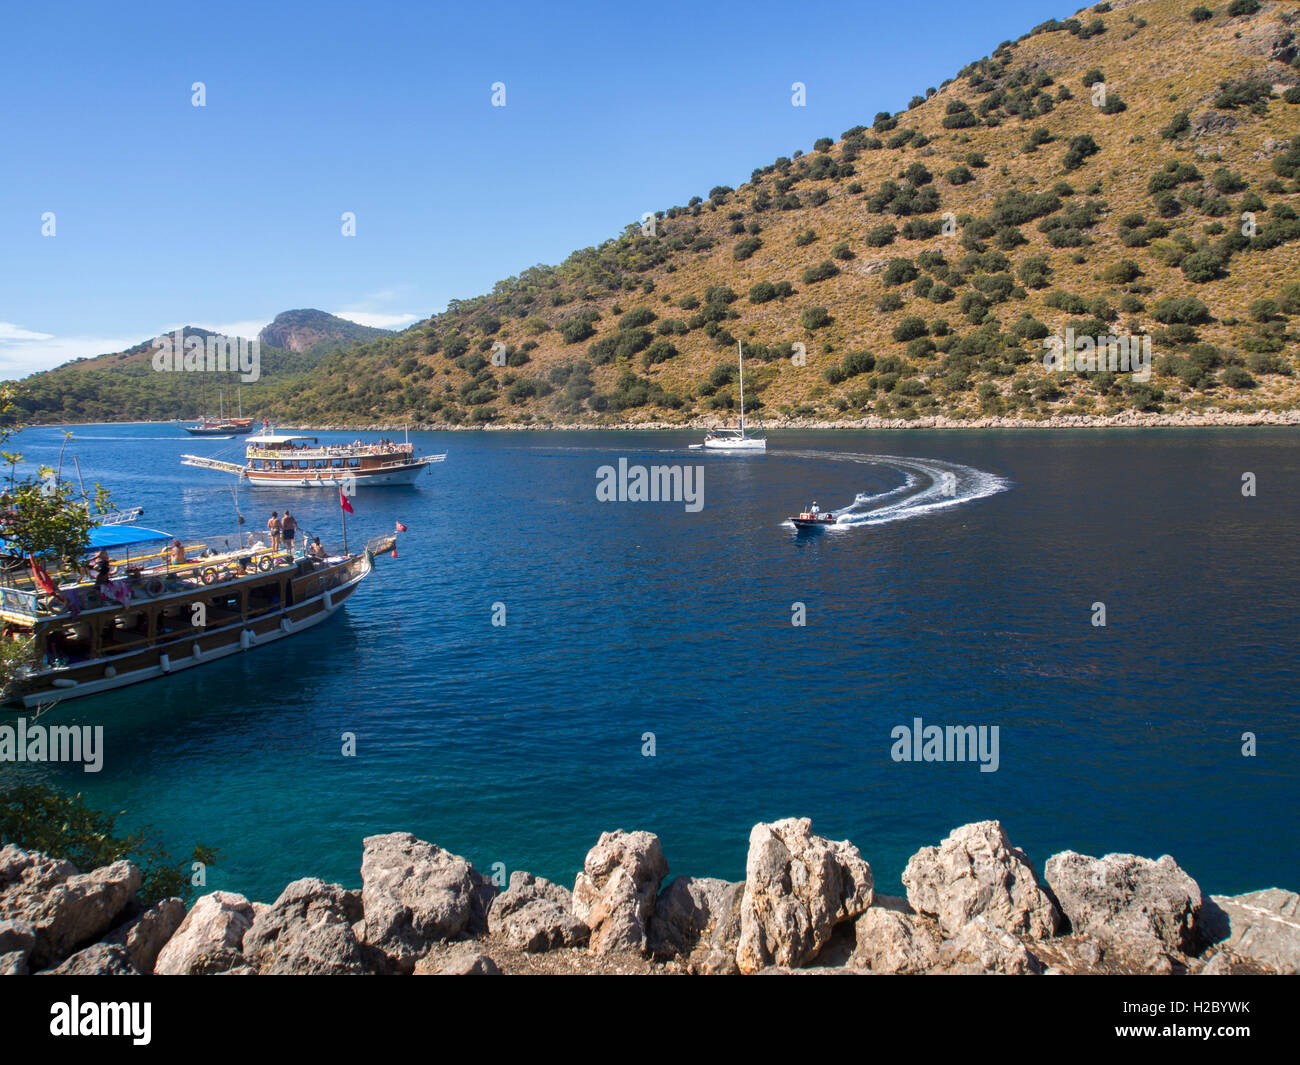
[{"x": 546, "y": 659}]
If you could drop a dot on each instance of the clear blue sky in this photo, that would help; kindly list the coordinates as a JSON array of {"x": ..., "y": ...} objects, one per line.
[{"x": 225, "y": 215}]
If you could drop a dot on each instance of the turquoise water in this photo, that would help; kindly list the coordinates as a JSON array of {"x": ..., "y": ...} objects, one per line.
[{"x": 521, "y": 743}]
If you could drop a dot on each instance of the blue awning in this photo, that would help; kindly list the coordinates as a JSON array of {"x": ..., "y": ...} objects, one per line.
[{"x": 118, "y": 536}]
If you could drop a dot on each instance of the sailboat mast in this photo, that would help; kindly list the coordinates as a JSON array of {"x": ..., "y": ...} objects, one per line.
[
  {"x": 221, "y": 404},
  {"x": 741, "y": 347}
]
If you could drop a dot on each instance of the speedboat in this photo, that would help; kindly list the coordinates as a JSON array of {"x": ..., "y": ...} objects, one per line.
[{"x": 813, "y": 518}]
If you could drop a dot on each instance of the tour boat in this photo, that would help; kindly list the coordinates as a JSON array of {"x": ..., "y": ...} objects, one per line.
[
  {"x": 154, "y": 617},
  {"x": 813, "y": 518},
  {"x": 734, "y": 439},
  {"x": 221, "y": 425},
  {"x": 286, "y": 460}
]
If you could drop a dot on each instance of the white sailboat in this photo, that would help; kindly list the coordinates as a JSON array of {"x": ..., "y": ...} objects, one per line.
[{"x": 734, "y": 439}]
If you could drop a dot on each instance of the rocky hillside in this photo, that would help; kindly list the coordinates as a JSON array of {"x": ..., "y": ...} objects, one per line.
[
  {"x": 974, "y": 905},
  {"x": 921, "y": 259},
  {"x": 316, "y": 332}
]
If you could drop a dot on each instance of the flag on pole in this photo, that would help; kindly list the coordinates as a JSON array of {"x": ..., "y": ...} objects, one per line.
[
  {"x": 401, "y": 527},
  {"x": 343, "y": 502}
]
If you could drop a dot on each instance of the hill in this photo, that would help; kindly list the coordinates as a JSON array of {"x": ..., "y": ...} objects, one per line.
[
  {"x": 1131, "y": 170},
  {"x": 315, "y": 332}
]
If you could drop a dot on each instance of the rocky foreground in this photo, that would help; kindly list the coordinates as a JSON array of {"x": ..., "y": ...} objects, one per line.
[{"x": 807, "y": 904}]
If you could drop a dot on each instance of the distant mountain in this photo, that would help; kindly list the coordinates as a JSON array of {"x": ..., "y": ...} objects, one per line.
[{"x": 316, "y": 331}]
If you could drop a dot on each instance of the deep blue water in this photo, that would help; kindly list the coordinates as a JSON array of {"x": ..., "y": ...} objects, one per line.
[{"x": 521, "y": 743}]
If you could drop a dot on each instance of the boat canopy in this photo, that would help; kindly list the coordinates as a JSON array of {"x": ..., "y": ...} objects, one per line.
[
  {"x": 275, "y": 438},
  {"x": 117, "y": 536}
]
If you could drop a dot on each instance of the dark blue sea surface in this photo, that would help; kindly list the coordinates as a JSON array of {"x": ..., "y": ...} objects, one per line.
[{"x": 521, "y": 743}]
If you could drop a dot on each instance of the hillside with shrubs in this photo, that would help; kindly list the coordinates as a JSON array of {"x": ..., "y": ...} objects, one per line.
[{"x": 1131, "y": 170}]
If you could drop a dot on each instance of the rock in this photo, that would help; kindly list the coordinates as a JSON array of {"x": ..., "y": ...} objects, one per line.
[
  {"x": 307, "y": 931},
  {"x": 798, "y": 886},
  {"x": 14, "y": 963},
  {"x": 17, "y": 938},
  {"x": 689, "y": 911},
  {"x": 414, "y": 894},
  {"x": 80, "y": 909},
  {"x": 535, "y": 915},
  {"x": 893, "y": 942},
  {"x": 1263, "y": 926},
  {"x": 1140, "y": 906},
  {"x": 976, "y": 872},
  {"x": 210, "y": 939},
  {"x": 719, "y": 963},
  {"x": 1218, "y": 965},
  {"x": 99, "y": 959},
  {"x": 616, "y": 890},
  {"x": 144, "y": 936},
  {"x": 26, "y": 877},
  {"x": 983, "y": 947},
  {"x": 464, "y": 959}
]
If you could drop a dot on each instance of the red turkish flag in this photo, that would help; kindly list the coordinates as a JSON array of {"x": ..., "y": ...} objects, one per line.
[
  {"x": 343, "y": 502},
  {"x": 401, "y": 527}
]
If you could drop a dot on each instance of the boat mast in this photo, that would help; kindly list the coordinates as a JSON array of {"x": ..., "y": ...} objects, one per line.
[
  {"x": 221, "y": 405},
  {"x": 741, "y": 348}
]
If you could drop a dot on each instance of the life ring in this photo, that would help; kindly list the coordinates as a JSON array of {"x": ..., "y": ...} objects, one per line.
[
  {"x": 155, "y": 588},
  {"x": 209, "y": 575},
  {"x": 264, "y": 563}
]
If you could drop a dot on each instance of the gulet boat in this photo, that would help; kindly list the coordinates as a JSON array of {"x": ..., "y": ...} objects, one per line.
[
  {"x": 156, "y": 614},
  {"x": 287, "y": 460}
]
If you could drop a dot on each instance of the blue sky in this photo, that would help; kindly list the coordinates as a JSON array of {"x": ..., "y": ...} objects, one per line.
[{"x": 168, "y": 214}]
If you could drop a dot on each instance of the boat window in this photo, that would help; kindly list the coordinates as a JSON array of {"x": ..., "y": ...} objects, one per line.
[{"x": 354, "y": 463}]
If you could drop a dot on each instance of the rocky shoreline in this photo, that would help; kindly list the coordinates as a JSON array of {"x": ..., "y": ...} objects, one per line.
[
  {"x": 1125, "y": 419},
  {"x": 974, "y": 904}
]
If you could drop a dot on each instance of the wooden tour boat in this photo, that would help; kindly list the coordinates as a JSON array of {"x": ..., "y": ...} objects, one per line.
[
  {"x": 286, "y": 460},
  {"x": 154, "y": 617}
]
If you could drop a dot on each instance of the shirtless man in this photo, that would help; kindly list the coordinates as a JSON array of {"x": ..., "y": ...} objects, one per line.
[{"x": 273, "y": 527}]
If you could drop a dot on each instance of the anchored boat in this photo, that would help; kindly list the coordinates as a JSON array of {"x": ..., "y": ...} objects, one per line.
[
  {"x": 165, "y": 607},
  {"x": 734, "y": 439},
  {"x": 291, "y": 461}
]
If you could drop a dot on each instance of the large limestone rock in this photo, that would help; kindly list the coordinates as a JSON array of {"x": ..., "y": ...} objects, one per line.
[
  {"x": 535, "y": 915},
  {"x": 415, "y": 894},
  {"x": 798, "y": 886},
  {"x": 99, "y": 959},
  {"x": 462, "y": 959},
  {"x": 690, "y": 911},
  {"x": 144, "y": 936},
  {"x": 80, "y": 909},
  {"x": 17, "y": 938},
  {"x": 976, "y": 872},
  {"x": 892, "y": 941},
  {"x": 984, "y": 948},
  {"x": 616, "y": 890},
  {"x": 1141, "y": 906},
  {"x": 307, "y": 931},
  {"x": 210, "y": 939},
  {"x": 1263, "y": 926},
  {"x": 26, "y": 877}
]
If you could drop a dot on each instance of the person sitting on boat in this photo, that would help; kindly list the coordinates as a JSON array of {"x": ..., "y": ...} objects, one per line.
[
  {"x": 178, "y": 553},
  {"x": 315, "y": 550},
  {"x": 104, "y": 563}
]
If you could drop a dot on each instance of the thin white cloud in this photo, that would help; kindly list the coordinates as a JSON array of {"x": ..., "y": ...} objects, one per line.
[
  {"x": 9, "y": 331},
  {"x": 23, "y": 355},
  {"x": 377, "y": 319}
]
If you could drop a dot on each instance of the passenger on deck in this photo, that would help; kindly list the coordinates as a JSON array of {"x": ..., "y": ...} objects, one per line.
[
  {"x": 104, "y": 563},
  {"x": 315, "y": 550},
  {"x": 178, "y": 554}
]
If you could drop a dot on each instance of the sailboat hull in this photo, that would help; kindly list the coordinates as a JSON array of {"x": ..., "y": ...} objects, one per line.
[{"x": 737, "y": 444}]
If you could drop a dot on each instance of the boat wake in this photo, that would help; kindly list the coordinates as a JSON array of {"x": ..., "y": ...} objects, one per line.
[{"x": 928, "y": 485}]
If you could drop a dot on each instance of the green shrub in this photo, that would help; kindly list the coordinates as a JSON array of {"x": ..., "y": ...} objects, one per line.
[
  {"x": 821, "y": 272},
  {"x": 814, "y": 318},
  {"x": 909, "y": 328},
  {"x": 899, "y": 272},
  {"x": 1201, "y": 14},
  {"x": 745, "y": 248}
]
